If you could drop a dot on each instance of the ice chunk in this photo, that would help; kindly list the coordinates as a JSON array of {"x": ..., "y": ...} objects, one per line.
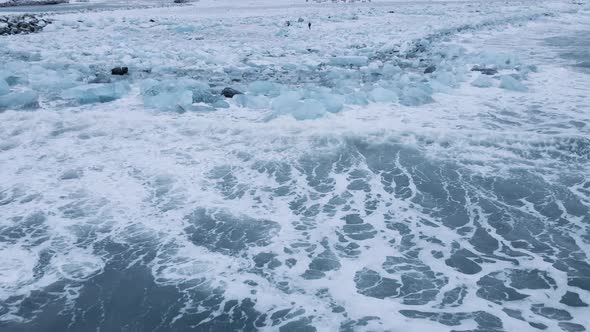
[
  {"x": 497, "y": 60},
  {"x": 332, "y": 102},
  {"x": 291, "y": 103},
  {"x": 177, "y": 100},
  {"x": 254, "y": 102},
  {"x": 96, "y": 93},
  {"x": 309, "y": 109},
  {"x": 508, "y": 82},
  {"x": 167, "y": 95},
  {"x": 356, "y": 98},
  {"x": 349, "y": 61},
  {"x": 483, "y": 81},
  {"x": 220, "y": 104},
  {"x": 382, "y": 95},
  {"x": 286, "y": 103},
  {"x": 19, "y": 100},
  {"x": 264, "y": 88},
  {"x": 446, "y": 78},
  {"x": 199, "y": 108},
  {"x": 416, "y": 95},
  {"x": 201, "y": 92},
  {"x": 184, "y": 28},
  {"x": 4, "y": 88},
  {"x": 282, "y": 33}
]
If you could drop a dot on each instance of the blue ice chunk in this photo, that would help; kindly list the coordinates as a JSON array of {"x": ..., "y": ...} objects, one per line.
[
  {"x": 96, "y": 93},
  {"x": 293, "y": 104},
  {"x": 184, "y": 28},
  {"x": 357, "y": 61},
  {"x": 201, "y": 91},
  {"x": 483, "y": 81},
  {"x": 446, "y": 78},
  {"x": 42, "y": 79},
  {"x": 332, "y": 102},
  {"x": 508, "y": 82},
  {"x": 309, "y": 109},
  {"x": 497, "y": 60},
  {"x": 220, "y": 104},
  {"x": 382, "y": 95},
  {"x": 356, "y": 98},
  {"x": 177, "y": 100},
  {"x": 4, "y": 88},
  {"x": 264, "y": 88},
  {"x": 19, "y": 100},
  {"x": 165, "y": 95},
  {"x": 286, "y": 103},
  {"x": 282, "y": 33},
  {"x": 254, "y": 102},
  {"x": 390, "y": 70},
  {"x": 199, "y": 108},
  {"x": 416, "y": 95}
]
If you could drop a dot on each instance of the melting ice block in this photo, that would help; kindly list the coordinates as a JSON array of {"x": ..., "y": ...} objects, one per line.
[
  {"x": 19, "y": 100},
  {"x": 508, "y": 82},
  {"x": 416, "y": 95},
  {"x": 254, "y": 102},
  {"x": 4, "y": 88},
  {"x": 382, "y": 95},
  {"x": 264, "y": 88},
  {"x": 349, "y": 61},
  {"x": 165, "y": 95},
  {"x": 293, "y": 104},
  {"x": 482, "y": 81},
  {"x": 96, "y": 93}
]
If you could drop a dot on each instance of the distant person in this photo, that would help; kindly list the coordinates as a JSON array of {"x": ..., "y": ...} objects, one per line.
[{"x": 309, "y": 25}]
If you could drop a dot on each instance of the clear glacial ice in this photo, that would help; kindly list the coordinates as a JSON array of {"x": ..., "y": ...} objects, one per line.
[{"x": 399, "y": 167}]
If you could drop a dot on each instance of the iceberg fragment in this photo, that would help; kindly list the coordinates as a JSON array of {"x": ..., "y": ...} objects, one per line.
[
  {"x": 301, "y": 109},
  {"x": 357, "y": 61},
  {"x": 165, "y": 95},
  {"x": 508, "y": 82},
  {"x": 4, "y": 88},
  {"x": 382, "y": 95},
  {"x": 19, "y": 100},
  {"x": 96, "y": 93},
  {"x": 264, "y": 88},
  {"x": 254, "y": 102},
  {"x": 416, "y": 95},
  {"x": 482, "y": 81}
]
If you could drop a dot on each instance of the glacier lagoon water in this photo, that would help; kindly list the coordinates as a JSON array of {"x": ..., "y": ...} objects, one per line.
[{"x": 353, "y": 193}]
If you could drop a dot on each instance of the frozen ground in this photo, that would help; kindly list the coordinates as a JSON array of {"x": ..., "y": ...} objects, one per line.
[{"x": 367, "y": 179}]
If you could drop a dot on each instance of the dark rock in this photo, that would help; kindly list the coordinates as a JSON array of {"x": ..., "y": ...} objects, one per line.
[
  {"x": 485, "y": 71},
  {"x": 230, "y": 93},
  {"x": 391, "y": 12},
  {"x": 152, "y": 20},
  {"x": 120, "y": 71},
  {"x": 21, "y": 24},
  {"x": 429, "y": 69}
]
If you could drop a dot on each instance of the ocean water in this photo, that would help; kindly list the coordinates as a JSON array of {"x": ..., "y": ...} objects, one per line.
[{"x": 429, "y": 205}]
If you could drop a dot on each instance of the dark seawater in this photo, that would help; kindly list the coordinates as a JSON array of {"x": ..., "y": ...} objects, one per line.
[
  {"x": 575, "y": 48},
  {"x": 394, "y": 198}
]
